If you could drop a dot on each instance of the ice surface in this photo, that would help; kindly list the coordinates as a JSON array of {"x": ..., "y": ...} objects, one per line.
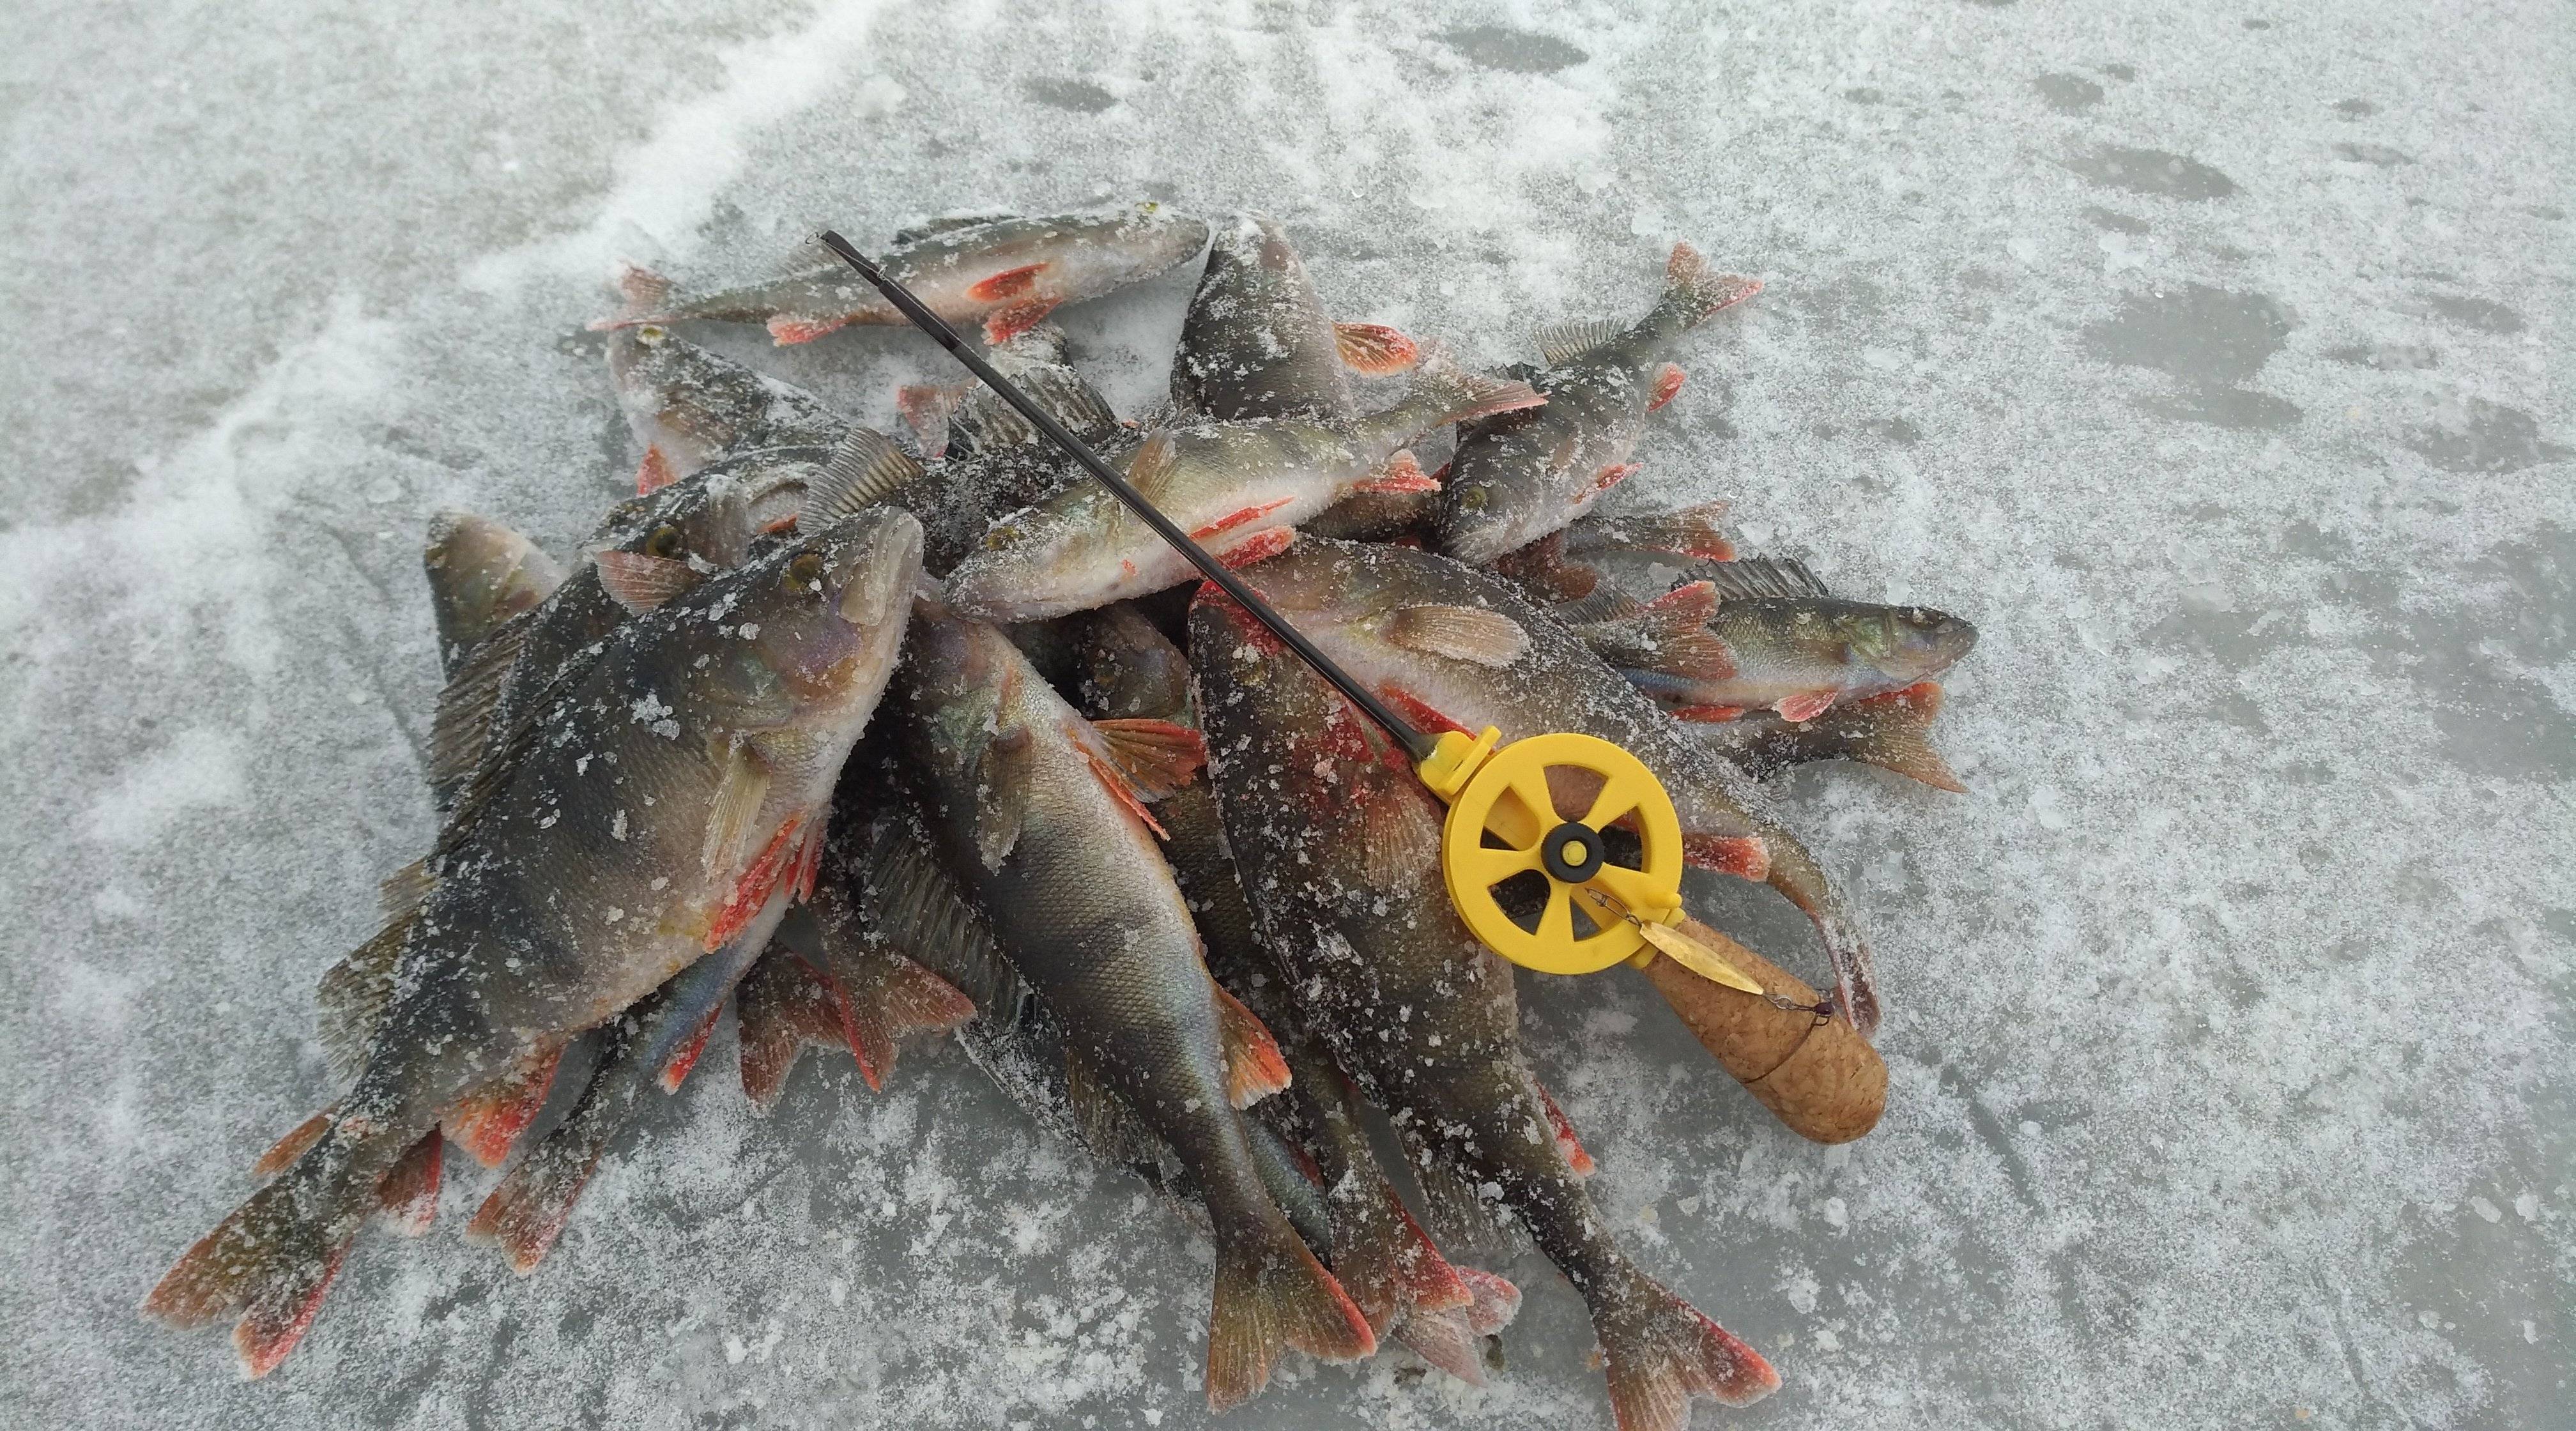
[{"x": 2201, "y": 354}]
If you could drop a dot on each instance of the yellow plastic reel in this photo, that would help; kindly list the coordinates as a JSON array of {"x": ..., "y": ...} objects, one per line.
[{"x": 1505, "y": 792}]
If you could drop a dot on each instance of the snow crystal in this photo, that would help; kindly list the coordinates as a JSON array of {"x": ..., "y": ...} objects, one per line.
[{"x": 2217, "y": 372}]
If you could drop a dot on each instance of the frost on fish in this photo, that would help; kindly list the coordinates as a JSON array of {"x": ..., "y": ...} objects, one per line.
[
  {"x": 1045, "y": 821},
  {"x": 1238, "y": 488},
  {"x": 654, "y": 825},
  {"x": 1007, "y": 274},
  {"x": 1516, "y": 478},
  {"x": 1339, "y": 845}
]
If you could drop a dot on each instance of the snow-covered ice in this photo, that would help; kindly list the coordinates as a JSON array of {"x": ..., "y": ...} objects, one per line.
[{"x": 2200, "y": 353}]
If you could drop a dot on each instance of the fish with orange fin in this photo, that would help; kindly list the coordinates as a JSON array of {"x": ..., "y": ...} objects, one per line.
[
  {"x": 1128, "y": 670},
  {"x": 650, "y": 548},
  {"x": 1769, "y": 636},
  {"x": 1890, "y": 731},
  {"x": 644, "y": 833},
  {"x": 1044, "y": 818},
  {"x": 1453, "y": 647},
  {"x": 1516, "y": 478},
  {"x": 1006, "y": 273},
  {"x": 1256, "y": 344},
  {"x": 690, "y": 407},
  {"x": 1338, "y": 843},
  {"x": 1238, "y": 488}
]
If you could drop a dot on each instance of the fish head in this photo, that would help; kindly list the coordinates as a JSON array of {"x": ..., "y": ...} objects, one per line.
[
  {"x": 1071, "y": 551},
  {"x": 1909, "y": 643},
  {"x": 1154, "y": 236},
  {"x": 1486, "y": 511},
  {"x": 639, "y": 358},
  {"x": 805, "y": 633},
  {"x": 481, "y": 574},
  {"x": 960, "y": 678},
  {"x": 1128, "y": 668},
  {"x": 714, "y": 520}
]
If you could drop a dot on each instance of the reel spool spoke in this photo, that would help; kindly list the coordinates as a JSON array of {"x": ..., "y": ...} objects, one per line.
[
  {"x": 1620, "y": 793},
  {"x": 1487, "y": 867},
  {"x": 1556, "y": 922},
  {"x": 1529, "y": 790}
]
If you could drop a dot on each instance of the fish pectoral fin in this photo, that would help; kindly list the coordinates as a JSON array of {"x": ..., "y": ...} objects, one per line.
[
  {"x": 1562, "y": 343},
  {"x": 1707, "y": 715},
  {"x": 353, "y": 994},
  {"x": 1152, "y": 464},
  {"x": 1743, "y": 856},
  {"x": 1009, "y": 283},
  {"x": 1008, "y": 323},
  {"x": 1401, "y": 473},
  {"x": 1374, "y": 348},
  {"x": 1399, "y": 838},
  {"x": 1002, "y": 794},
  {"x": 741, "y": 788},
  {"x": 1806, "y": 705},
  {"x": 1157, "y": 756},
  {"x": 640, "y": 581},
  {"x": 1461, "y": 633},
  {"x": 1254, "y": 1067},
  {"x": 864, "y": 469},
  {"x": 786, "y": 329},
  {"x": 1668, "y": 385}
]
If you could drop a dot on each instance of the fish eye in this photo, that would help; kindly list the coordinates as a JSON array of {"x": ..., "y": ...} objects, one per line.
[
  {"x": 651, "y": 334},
  {"x": 1002, "y": 538},
  {"x": 1472, "y": 499},
  {"x": 805, "y": 573},
  {"x": 667, "y": 541}
]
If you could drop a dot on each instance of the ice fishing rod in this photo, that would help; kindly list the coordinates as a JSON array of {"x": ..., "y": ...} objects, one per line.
[{"x": 1502, "y": 792}]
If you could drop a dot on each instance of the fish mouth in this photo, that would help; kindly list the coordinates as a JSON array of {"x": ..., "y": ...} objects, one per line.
[{"x": 870, "y": 563}]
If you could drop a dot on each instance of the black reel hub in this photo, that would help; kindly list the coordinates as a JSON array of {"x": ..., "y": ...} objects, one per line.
[{"x": 1571, "y": 852}]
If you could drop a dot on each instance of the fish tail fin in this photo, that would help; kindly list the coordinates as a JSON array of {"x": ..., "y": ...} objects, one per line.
[
  {"x": 1793, "y": 872},
  {"x": 1272, "y": 1294},
  {"x": 780, "y": 1007},
  {"x": 1659, "y": 1351},
  {"x": 1893, "y": 732},
  {"x": 528, "y": 1210},
  {"x": 1443, "y": 392},
  {"x": 275, "y": 1256},
  {"x": 886, "y": 996},
  {"x": 642, "y": 295},
  {"x": 1694, "y": 292},
  {"x": 488, "y": 1120},
  {"x": 1383, "y": 1257},
  {"x": 408, "y": 1193}
]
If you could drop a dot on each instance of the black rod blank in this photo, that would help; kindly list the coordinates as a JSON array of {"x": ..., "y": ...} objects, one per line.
[{"x": 1418, "y": 745}]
